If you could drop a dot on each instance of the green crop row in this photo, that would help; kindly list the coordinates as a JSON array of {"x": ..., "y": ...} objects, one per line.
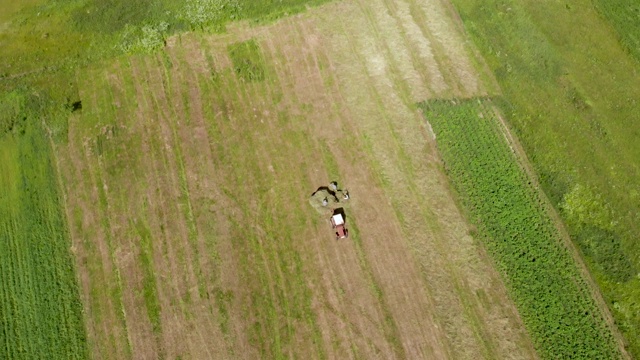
[
  {"x": 40, "y": 309},
  {"x": 552, "y": 297}
]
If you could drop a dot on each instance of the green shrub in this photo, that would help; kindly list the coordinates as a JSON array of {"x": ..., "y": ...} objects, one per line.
[
  {"x": 201, "y": 13},
  {"x": 145, "y": 39},
  {"x": 605, "y": 249},
  {"x": 113, "y": 16},
  {"x": 12, "y": 115}
]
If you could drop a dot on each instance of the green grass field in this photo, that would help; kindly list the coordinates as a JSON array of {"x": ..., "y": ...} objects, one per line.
[
  {"x": 41, "y": 313},
  {"x": 569, "y": 90}
]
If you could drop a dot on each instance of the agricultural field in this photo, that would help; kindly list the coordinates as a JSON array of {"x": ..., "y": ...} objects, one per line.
[
  {"x": 549, "y": 290},
  {"x": 40, "y": 308},
  {"x": 187, "y": 175},
  {"x": 159, "y": 157},
  {"x": 569, "y": 74}
]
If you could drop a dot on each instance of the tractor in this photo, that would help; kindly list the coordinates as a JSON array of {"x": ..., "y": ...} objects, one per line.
[{"x": 338, "y": 224}]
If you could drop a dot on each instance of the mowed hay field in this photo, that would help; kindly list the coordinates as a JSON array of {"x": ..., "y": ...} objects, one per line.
[{"x": 186, "y": 182}]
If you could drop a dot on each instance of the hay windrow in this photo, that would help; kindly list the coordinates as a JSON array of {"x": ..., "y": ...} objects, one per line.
[{"x": 326, "y": 200}]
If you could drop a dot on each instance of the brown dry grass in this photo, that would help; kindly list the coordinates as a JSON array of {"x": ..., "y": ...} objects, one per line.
[{"x": 219, "y": 170}]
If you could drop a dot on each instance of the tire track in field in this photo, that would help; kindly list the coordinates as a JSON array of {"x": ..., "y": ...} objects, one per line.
[
  {"x": 277, "y": 57},
  {"x": 244, "y": 106},
  {"x": 153, "y": 166},
  {"x": 106, "y": 334},
  {"x": 139, "y": 253},
  {"x": 449, "y": 43},
  {"x": 385, "y": 150},
  {"x": 340, "y": 302},
  {"x": 421, "y": 49},
  {"x": 141, "y": 214},
  {"x": 392, "y": 49},
  {"x": 232, "y": 276},
  {"x": 298, "y": 92},
  {"x": 87, "y": 259},
  {"x": 234, "y": 96}
]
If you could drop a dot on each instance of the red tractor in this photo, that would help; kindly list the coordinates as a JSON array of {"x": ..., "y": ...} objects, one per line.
[{"x": 338, "y": 224}]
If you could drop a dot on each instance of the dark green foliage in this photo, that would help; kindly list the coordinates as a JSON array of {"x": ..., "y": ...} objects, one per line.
[
  {"x": 262, "y": 10},
  {"x": 553, "y": 186},
  {"x": 12, "y": 116},
  {"x": 604, "y": 247},
  {"x": 247, "y": 59},
  {"x": 110, "y": 16},
  {"x": 40, "y": 309},
  {"x": 552, "y": 297},
  {"x": 20, "y": 106},
  {"x": 66, "y": 34}
]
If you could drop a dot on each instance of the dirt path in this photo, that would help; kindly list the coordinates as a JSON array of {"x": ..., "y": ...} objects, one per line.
[{"x": 202, "y": 231}]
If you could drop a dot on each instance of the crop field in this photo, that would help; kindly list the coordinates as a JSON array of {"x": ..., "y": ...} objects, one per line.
[
  {"x": 519, "y": 232},
  {"x": 187, "y": 175},
  {"x": 40, "y": 309},
  {"x": 157, "y": 159},
  {"x": 570, "y": 92}
]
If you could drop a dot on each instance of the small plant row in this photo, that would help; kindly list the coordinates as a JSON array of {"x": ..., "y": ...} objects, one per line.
[{"x": 552, "y": 297}]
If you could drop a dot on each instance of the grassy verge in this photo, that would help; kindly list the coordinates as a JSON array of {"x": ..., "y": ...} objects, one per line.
[
  {"x": 46, "y": 37},
  {"x": 552, "y": 297},
  {"x": 569, "y": 90},
  {"x": 40, "y": 309},
  {"x": 43, "y": 45},
  {"x": 623, "y": 16}
]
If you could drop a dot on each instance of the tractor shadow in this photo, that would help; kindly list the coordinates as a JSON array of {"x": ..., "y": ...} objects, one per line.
[
  {"x": 341, "y": 212},
  {"x": 327, "y": 189}
]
